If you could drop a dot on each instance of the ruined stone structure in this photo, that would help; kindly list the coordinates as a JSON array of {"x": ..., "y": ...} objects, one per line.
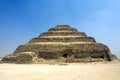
[{"x": 61, "y": 43}]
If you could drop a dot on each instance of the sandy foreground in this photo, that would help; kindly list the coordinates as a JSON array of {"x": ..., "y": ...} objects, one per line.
[{"x": 60, "y": 72}]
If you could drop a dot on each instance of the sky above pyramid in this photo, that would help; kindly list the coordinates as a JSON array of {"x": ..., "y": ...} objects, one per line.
[{"x": 21, "y": 20}]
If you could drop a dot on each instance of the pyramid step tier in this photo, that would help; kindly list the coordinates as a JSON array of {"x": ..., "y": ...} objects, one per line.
[
  {"x": 66, "y": 39},
  {"x": 75, "y": 48},
  {"x": 63, "y": 34},
  {"x": 62, "y": 29},
  {"x": 62, "y": 26}
]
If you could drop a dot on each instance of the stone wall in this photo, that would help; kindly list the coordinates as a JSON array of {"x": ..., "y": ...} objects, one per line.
[{"x": 67, "y": 39}]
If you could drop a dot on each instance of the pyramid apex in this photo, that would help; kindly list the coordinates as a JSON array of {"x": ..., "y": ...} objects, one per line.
[{"x": 62, "y": 26}]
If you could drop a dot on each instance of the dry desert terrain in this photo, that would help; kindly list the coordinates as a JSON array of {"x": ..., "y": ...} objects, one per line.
[{"x": 60, "y": 72}]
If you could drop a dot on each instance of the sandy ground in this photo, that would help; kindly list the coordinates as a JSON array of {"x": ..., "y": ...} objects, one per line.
[{"x": 60, "y": 72}]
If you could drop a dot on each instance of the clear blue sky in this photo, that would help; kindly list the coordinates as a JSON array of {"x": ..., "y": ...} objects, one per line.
[{"x": 21, "y": 20}]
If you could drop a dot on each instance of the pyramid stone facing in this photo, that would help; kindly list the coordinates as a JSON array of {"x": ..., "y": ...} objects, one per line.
[{"x": 61, "y": 43}]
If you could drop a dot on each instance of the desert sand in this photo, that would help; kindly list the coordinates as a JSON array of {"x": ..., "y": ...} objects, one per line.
[{"x": 60, "y": 72}]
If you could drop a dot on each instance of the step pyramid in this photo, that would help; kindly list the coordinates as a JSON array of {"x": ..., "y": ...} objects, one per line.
[{"x": 61, "y": 43}]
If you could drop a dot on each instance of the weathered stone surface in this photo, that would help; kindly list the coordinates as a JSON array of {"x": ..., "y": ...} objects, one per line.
[
  {"x": 80, "y": 34},
  {"x": 63, "y": 28},
  {"x": 23, "y": 57},
  {"x": 61, "y": 43},
  {"x": 67, "y": 39}
]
